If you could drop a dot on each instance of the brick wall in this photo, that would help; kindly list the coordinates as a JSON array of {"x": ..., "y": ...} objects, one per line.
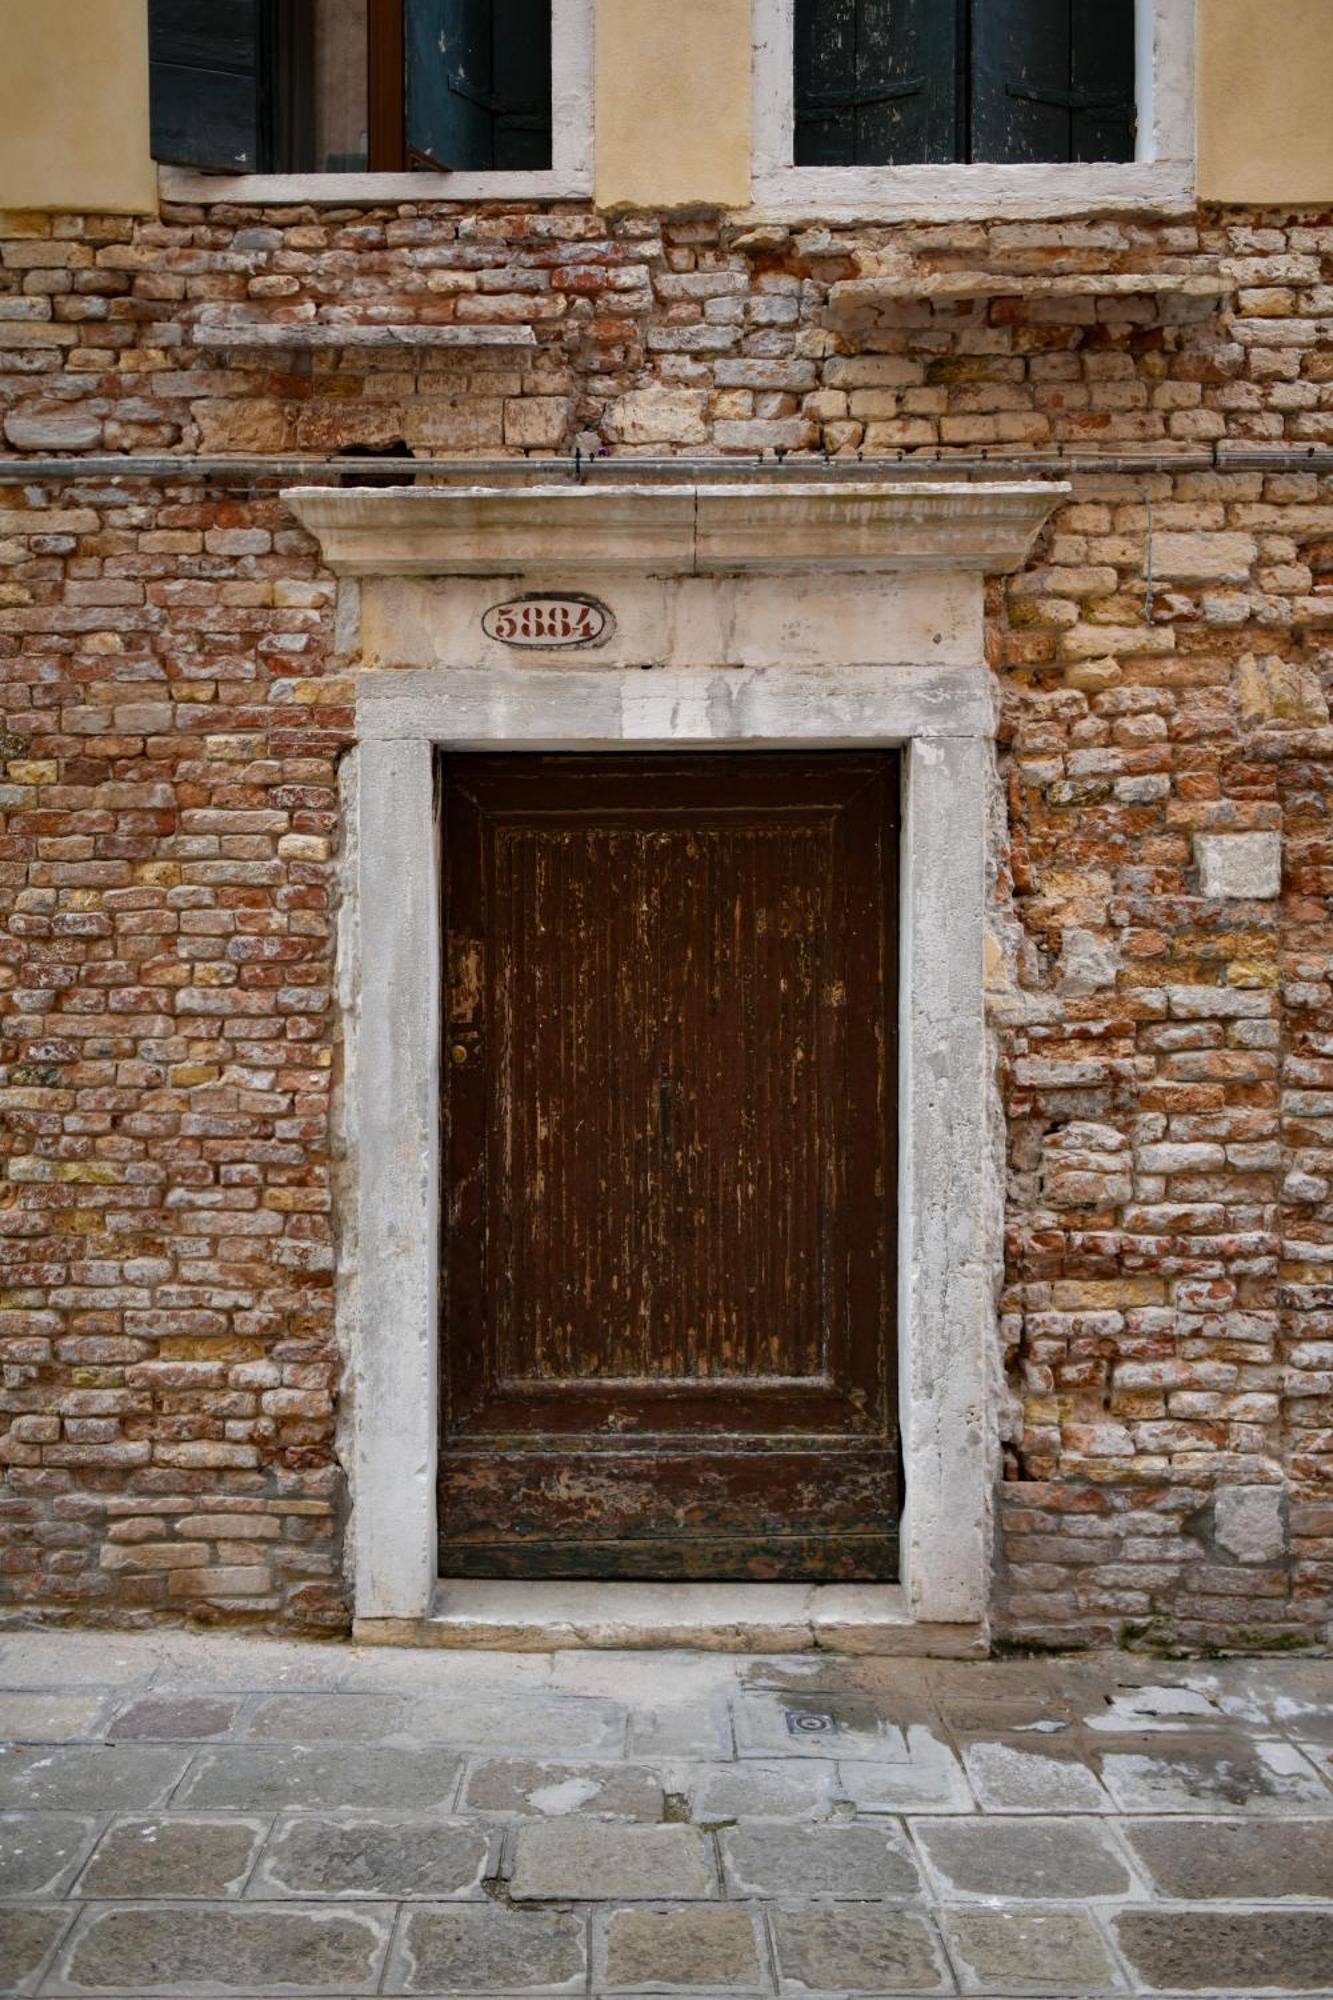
[{"x": 173, "y": 715}]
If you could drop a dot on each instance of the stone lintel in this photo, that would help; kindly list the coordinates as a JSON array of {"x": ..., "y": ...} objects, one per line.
[{"x": 678, "y": 528}]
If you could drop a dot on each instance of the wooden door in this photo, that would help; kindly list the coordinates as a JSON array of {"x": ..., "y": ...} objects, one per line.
[{"x": 669, "y": 1073}]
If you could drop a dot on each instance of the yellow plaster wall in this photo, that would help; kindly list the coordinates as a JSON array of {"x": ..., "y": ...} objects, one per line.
[
  {"x": 74, "y": 106},
  {"x": 673, "y": 102},
  {"x": 1265, "y": 98}
]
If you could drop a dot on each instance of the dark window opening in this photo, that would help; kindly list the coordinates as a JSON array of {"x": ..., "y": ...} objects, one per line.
[
  {"x": 900, "y": 82},
  {"x": 346, "y": 86}
]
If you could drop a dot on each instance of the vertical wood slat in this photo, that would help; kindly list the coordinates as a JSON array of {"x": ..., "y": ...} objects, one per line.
[
  {"x": 1020, "y": 47},
  {"x": 385, "y": 84},
  {"x": 876, "y": 82}
]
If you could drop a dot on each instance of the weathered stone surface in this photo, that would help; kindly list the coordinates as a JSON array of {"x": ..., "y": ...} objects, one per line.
[
  {"x": 1204, "y": 558},
  {"x": 170, "y": 1855},
  {"x": 660, "y": 416},
  {"x": 860, "y": 1862},
  {"x": 254, "y": 1779},
  {"x": 40, "y": 1852},
  {"x": 589, "y": 1861},
  {"x": 1236, "y": 1861},
  {"x": 755, "y": 1790},
  {"x": 336, "y": 1718},
  {"x": 1248, "y": 1522},
  {"x": 813, "y": 1724},
  {"x": 1035, "y": 1859},
  {"x": 1225, "y": 1775},
  {"x": 167, "y": 1718},
  {"x": 1029, "y": 1952},
  {"x": 1271, "y": 691},
  {"x": 26, "y": 1936},
  {"x": 53, "y": 427},
  {"x": 933, "y": 1782},
  {"x": 716, "y": 1949},
  {"x": 96, "y": 1778},
  {"x": 857, "y": 1949},
  {"x": 488, "y": 1949},
  {"x": 49, "y": 1718},
  {"x": 1007, "y": 1778},
  {"x": 383, "y": 1854},
  {"x": 552, "y": 1791},
  {"x": 578, "y": 1725},
  {"x": 697, "y": 1729},
  {"x": 1239, "y": 864},
  {"x": 1289, "y": 1951},
  {"x": 241, "y": 1949}
]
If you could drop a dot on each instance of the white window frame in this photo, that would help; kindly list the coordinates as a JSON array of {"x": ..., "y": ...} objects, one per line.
[
  {"x": 1161, "y": 177},
  {"x": 569, "y": 174}
]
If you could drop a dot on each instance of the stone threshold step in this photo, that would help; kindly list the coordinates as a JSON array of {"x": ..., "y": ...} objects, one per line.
[{"x": 716, "y": 1617}]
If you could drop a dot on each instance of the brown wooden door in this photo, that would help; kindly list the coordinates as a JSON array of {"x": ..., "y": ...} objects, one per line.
[{"x": 669, "y": 1073}]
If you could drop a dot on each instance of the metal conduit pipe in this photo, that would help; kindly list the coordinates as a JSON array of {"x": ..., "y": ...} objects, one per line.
[{"x": 293, "y": 471}]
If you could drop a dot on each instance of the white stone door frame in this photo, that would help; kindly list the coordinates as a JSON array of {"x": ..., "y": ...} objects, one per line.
[{"x": 752, "y": 610}]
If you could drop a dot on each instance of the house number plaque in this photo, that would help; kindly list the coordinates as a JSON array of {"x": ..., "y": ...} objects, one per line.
[{"x": 549, "y": 621}]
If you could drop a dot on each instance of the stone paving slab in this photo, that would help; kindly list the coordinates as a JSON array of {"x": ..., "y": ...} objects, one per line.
[
  {"x": 489, "y": 1949},
  {"x": 858, "y": 1948},
  {"x": 856, "y": 1863},
  {"x": 588, "y": 1861},
  {"x": 1025, "y": 1860},
  {"x": 553, "y": 1791},
  {"x": 1030, "y": 1951},
  {"x": 95, "y": 1778},
  {"x": 40, "y": 1853},
  {"x": 1235, "y": 1951},
  {"x": 322, "y": 1775},
  {"x": 680, "y": 1950},
  {"x": 172, "y": 1855},
  {"x": 1199, "y": 1860},
  {"x": 381, "y": 1854},
  {"x": 159, "y": 1948},
  {"x": 230, "y": 1816}
]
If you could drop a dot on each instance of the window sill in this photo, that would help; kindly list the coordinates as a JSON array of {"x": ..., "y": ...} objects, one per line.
[
  {"x": 296, "y": 336},
  {"x": 183, "y": 184},
  {"x": 977, "y": 193}
]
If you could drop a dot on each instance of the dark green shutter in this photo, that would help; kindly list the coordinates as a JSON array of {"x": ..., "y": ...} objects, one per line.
[
  {"x": 204, "y": 77},
  {"x": 876, "y": 82},
  {"x": 478, "y": 83},
  {"x": 232, "y": 84},
  {"x": 1052, "y": 80}
]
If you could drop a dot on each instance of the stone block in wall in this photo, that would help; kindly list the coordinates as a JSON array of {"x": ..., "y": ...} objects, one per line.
[
  {"x": 536, "y": 423},
  {"x": 660, "y": 416},
  {"x": 56, "y": 427},
  {"x": 1273, "y": 691},
  {"x": 1248, "y": 1524},
  {"x": 1220, "y": 558},
  {"x": 1239, "y": 864}
]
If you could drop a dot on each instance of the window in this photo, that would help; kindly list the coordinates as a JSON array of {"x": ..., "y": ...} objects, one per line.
[
  {"x": 897, "y": 82},
  {"x": 951, "y": 110},
  {"x": 350, "y": 86}
]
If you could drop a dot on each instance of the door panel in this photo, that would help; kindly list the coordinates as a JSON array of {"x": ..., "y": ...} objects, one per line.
[{"x": 669, "y": 1072}]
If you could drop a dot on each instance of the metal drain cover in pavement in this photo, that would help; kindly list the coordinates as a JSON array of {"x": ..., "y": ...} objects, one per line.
[{"x": 809, "y": 1722}]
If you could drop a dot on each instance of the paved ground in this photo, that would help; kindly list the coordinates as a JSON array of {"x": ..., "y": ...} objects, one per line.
[{"x": 188, "y": 1814}]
